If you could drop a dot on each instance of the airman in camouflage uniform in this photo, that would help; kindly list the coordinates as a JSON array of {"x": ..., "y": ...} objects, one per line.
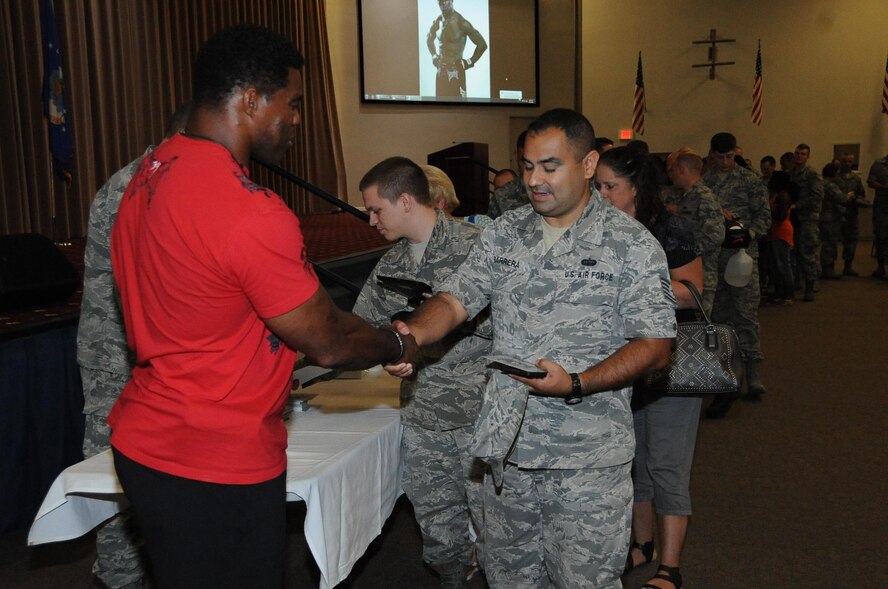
[
  {"x": 440, "y": 404},
  {"x": 877, "y": 179},
  {"x": 582, "y": 288},
  {"x": 850, "y": 184},
  {"x": 831, "y": 214},
  {"x": 507, "y": 197},
  {"x": 694, "y": 201},
  {"x": 743, "y": 198},
  {"x": 105, "y": 363},
  {"x": 807, "y": 231}
]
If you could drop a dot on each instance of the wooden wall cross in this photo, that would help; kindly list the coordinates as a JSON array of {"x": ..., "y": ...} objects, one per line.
[{"x": 713, "y": 52}]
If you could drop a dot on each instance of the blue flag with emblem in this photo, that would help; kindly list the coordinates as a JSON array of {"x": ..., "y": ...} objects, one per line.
[{"x": 61, "y": 141}]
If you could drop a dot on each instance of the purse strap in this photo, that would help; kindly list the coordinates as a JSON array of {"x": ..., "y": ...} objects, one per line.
[{"x": 696, "y": 294}]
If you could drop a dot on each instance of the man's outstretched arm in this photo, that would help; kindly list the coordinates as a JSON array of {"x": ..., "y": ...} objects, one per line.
[
  {"x": 434, "y": 319},
  {"x": 334, "y": 338}
]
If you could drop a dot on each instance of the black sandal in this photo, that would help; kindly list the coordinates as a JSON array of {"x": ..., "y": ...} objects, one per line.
[
  {"x": 647, "y": 551},
  {"x": 668, "y": 574}
]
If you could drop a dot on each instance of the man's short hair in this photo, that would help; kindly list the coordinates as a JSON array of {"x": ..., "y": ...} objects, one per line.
[
  {"x": 829, "y": 170},
  {"x": 722, "y": 142},
  {"x": 242, "y": 56},
  {"x": 769, "y": 159},
  {"x": 639, "y": 146},
  {"x": 396, "y": 176},
  {"x": 804, "y": 146},
  {"x": 441, "y": 187},
  {"x": 521, "y": 139},
  {"x": 576, "y": 127},
  {"x": 781, "y": 182},
  {"x": 512, "y": 175},
  {"x": 690, "y": 159}
]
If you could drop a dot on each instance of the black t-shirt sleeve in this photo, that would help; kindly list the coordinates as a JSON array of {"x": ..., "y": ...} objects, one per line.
[{"x": 677, "y": 238}]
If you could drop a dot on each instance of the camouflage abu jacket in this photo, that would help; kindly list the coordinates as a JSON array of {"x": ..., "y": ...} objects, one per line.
[
  {"x": 604, "y": 281},
  {"x": 507, "y": 197},
  {"x": 445, "y": 392},
  {"x": 101, "y": 338},
  {"x": 810, "y": 193},
  {"x": 742, "y": 192}
]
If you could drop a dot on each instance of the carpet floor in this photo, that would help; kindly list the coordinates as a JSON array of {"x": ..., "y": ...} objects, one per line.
[{"x": 788, "y": 493}]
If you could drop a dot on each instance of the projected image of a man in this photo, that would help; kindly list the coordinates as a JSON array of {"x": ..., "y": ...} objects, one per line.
[{"x": 446, "y": 42}]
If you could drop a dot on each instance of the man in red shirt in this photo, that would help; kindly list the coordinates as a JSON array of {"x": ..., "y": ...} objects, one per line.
[{"x": 217, "y": 294}]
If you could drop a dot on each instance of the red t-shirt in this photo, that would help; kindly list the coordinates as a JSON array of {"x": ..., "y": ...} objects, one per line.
[{"x": 201, "y": 254}]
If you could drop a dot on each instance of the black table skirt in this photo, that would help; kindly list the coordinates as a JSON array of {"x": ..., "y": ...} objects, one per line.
[{"x": 41, "y": 421}]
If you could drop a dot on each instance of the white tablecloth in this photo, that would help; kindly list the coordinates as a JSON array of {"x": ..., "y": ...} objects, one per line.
[{"x": 345, "y": 466}]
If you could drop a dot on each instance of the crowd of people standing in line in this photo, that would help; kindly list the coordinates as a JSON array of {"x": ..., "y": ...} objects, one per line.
[
  {"x": 558, "y": 474},
  {"x": 714, "y": 195}
]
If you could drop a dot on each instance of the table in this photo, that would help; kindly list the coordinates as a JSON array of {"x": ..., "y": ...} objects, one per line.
[
  {"x": 41, "y": 413},
  {"x": 343, "y": 460}
]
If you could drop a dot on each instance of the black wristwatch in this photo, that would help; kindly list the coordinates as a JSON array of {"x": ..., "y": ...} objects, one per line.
[{"x": 576, "y": 390}]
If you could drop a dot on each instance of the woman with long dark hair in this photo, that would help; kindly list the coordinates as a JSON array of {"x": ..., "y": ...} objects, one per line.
[{"x": 665, "y": 427}]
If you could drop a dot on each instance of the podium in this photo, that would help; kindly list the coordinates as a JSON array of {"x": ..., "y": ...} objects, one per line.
[{"x": 466, "y": 165}]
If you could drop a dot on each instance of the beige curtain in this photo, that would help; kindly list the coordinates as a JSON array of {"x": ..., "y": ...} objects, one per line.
[{"x": 127, "y": 66}]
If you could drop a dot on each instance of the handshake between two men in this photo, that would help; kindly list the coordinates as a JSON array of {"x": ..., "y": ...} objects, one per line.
[{"x": 439, "y": 315}]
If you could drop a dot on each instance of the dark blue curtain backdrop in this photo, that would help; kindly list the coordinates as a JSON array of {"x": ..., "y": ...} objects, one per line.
[{"x": 41, "y": 421}]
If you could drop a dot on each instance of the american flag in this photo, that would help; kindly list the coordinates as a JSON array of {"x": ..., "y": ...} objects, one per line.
[
  {"x": 757, "y": 89},
  {"x": 885, "y": 90},
  {"x": 638, "y": 106}
]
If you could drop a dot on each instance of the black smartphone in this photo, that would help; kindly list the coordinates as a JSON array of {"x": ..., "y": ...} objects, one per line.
[
  {"x": 405, "y": 286},
  {"x": 507, "y": 369}
]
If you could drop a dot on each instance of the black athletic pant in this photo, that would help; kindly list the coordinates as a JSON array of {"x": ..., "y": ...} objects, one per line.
[{"x": 206, "y": 534}]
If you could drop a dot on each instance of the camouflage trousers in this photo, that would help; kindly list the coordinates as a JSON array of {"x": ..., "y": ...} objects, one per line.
[
  {"x": 830, "y": 234},
  {"x": 850, "y": 234},
  {"x": 738, "y": 307},
  {"x": 557, "y": 528},
  {"x": 118, "y": 561},
  {"x": 880, "y": 228},
  {"x": 444, "y": 483},
  {"x": 807, "y": 240},
  {"x": 710, "y": 284}
]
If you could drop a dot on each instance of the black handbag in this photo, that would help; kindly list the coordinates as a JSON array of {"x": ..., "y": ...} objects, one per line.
[{"x": 705, "y": 359}]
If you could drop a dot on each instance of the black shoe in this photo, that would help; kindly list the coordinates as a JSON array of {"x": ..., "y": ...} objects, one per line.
[
  {"x": 647, "y": 552},
  {"x": 669, "y": 574}
]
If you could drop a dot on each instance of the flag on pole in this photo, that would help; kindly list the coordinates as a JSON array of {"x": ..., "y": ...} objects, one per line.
[
  {"x": 885, "y": 90},
  {"x": 638, "y": 106},
  {"x": 61, "y": 142},
  {"x": 757, "y": 90}
]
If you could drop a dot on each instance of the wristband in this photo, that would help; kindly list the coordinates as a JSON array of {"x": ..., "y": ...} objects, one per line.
[
  {"x": 576, "y": 390},
  {"x": 400, "y": 344}
]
